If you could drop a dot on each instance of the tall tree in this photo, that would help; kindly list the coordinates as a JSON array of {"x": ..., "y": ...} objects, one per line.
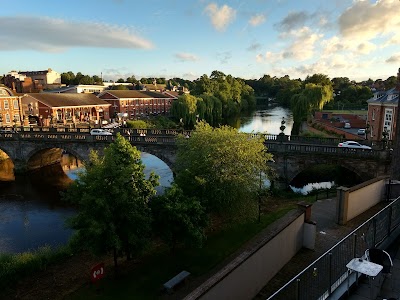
[
  {"x": 112, "y": 198},
  {"x": 222, "y": 167},
  {"x": 178, "y": 218}
]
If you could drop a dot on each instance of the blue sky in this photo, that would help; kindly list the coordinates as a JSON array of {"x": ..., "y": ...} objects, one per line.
[{"x": 189, "y": 38}]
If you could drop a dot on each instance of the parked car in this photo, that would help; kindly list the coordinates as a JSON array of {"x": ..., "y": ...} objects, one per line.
[
  {"x": 347, "y": 125},
  {"x": 353, "y": 145},
  {"x": 361, "y": 131},
  {"x": 99, "y": 131}
]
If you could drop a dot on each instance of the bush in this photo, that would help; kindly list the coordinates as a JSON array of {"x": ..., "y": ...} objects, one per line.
[{"x": 13, "y": 267}]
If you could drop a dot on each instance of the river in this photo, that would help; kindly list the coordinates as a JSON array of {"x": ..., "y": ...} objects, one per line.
[{"x": 32, "y": 215}]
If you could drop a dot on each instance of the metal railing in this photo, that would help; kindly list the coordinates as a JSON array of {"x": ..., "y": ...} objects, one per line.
[{"x": 323, "y": 276}]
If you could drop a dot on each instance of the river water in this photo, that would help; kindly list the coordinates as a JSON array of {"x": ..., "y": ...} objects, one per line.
[{"x": 32, "y": 215}]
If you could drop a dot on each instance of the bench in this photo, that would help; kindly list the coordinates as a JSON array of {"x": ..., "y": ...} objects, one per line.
[{"x": 176, "y": 280}]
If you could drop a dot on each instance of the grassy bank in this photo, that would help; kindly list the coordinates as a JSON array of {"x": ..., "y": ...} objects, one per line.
[{"x": 145, "y": 280}]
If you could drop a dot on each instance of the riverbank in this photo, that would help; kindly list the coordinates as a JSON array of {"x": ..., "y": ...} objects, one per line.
[{"x": 70, "y": 279}]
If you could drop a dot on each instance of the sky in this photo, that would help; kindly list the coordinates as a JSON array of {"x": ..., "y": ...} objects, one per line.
[{"x": 358, "y": 39}]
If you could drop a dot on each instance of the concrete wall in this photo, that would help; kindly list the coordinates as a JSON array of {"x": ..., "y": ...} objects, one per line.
[
  {"x": 248, "y": 273},
  {"x": 357, "y": 199}
]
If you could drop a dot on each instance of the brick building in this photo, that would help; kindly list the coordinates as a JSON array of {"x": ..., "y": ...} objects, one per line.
[
  {"x": 136, "y": 104},
  {"x": 10, "y": 108},
  {"x": 45, "y": 109},
  {"x": 382, "y": 113},
  {"x": 20, "y": 83}
]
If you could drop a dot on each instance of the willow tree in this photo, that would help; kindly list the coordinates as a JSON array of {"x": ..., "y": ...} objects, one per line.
[
  {"x": 223, "y": 168},
  {"x": 313, "y": 97},
  {"x": 185, "y": 110},
  {"x": 112, "y": 198}
]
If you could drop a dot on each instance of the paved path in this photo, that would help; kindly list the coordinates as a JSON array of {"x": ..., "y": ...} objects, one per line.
[{"x": 328, "y": 234}]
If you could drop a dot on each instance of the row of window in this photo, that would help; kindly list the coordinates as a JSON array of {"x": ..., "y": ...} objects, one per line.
[
  {"x": 7, "y": 106},
  {"x": 137, "y": 102},
  {"x": 8, "y": 120}
]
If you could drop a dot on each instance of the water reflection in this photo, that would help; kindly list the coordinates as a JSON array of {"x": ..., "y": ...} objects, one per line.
[
  {"x": 152, "y": 164},
  {"x": 267, "y": 121},
  {"x": 31, "y": 215}
]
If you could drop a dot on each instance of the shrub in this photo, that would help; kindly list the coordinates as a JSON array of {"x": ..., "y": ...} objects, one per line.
[{"x": 15, "y": 266}]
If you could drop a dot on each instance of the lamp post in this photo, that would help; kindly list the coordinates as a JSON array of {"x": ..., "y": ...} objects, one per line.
[
  {"x": 367, "y": 130},
  {"x": 282, "y": 128},
  {"x": 385, "y": 135}
]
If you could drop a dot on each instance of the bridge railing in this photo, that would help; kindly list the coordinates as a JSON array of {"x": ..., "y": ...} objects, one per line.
[
  {"x": 127, "y": 131},
  {"x": 78, "y": 137},
  {"x": 331, "y": 150}
]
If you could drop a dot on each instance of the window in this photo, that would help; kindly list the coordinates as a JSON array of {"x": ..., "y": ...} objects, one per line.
[
  {"x": 16, "y": 118},
  {"x": 373, "y": 115},
  {"x": 8, "y": 120},
  {"x": 16, "y": 104},
  {"x": 6, "y": 105}
]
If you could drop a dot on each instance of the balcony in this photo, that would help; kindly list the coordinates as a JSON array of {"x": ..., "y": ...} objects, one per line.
[{"x": 325, "y": 275}]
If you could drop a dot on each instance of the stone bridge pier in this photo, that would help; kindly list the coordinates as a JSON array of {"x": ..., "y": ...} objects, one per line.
[
  {"x": 29, "y": 155},
  {"x": 288, "y": 166}
]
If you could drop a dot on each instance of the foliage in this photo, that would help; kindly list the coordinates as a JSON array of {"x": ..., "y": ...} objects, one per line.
[
  {"x": 70, "y": 78},
  {"x": 313, "y": 97},
  {"x": 159, "y": 122},
  {"x": 137, "y": 124},
  {"x": 214, "y": 99},
  {"x": 119, "y": 87},
  {"x": 222, "y": 167},
  {"x": 178, "y": 218},
  {"x": 13, "y": 267},
  {"x": 112, "y": 196}
]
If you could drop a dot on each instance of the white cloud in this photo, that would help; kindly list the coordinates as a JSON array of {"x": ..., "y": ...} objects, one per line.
[
  {"x": 257, "y": 20},
  {"x": 55, "y": 35},
  {"x": 224, "y": 57},
  {"x": 302, "y": 43},
  {"x": 186, "y": 57},
  {"x": 365, "y": 20},
  {"x": 220, "y": 17}
]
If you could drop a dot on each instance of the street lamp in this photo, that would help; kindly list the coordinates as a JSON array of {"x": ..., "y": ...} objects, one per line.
[
  {"x": 282, "y": 128},
  {"x": 385, "y": 135},
  {"x": 367, "y": 130}
]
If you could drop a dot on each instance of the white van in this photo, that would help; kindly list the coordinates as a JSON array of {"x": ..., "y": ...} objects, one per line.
[{"x": 347, "y": 125}]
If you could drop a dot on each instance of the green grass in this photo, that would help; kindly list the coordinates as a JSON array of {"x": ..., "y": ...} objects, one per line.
[
  {"x": 353, "y": 112},
  {"x": 16, "y": 266},
  {"x": 145, "y": 281}
]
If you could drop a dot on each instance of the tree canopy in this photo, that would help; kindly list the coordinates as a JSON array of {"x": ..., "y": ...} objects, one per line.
[
  {"x": 223, "y": 168},
  {"x": 179, "y": 218},
  {"x": 112, "y": 198}
]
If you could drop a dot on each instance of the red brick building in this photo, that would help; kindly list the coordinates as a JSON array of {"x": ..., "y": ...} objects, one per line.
[
  {"x": 137, "y": 104},
  {"x": 382, "y": 112},
  {"x": 46, "y": 109}
]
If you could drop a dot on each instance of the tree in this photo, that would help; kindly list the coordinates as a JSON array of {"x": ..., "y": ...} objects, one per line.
[
  {"x": 178, "y": 218},
  {"x": 312, "y": 97},
  {"x": 120, "y": 80},
  {"x": 119, "y": 87},
  {"x": 320, "y": 79},
  {"x": 222, "y": 167},
  {"x": 112, "y": 198}
]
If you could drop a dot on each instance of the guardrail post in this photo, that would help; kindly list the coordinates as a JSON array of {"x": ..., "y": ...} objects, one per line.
[
  {"x": 355, "y": 245},
  {"x": 390, "y": 220},
  {"x": 330, "y": 273},
  {"x": 298, "y": 289}
]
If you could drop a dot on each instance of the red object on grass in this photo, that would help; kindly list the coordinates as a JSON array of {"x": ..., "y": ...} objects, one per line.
[{"x": 97, "y": 272}]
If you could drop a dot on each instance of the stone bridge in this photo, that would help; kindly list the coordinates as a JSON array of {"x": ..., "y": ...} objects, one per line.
[{"x": 32, "y": 149}]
